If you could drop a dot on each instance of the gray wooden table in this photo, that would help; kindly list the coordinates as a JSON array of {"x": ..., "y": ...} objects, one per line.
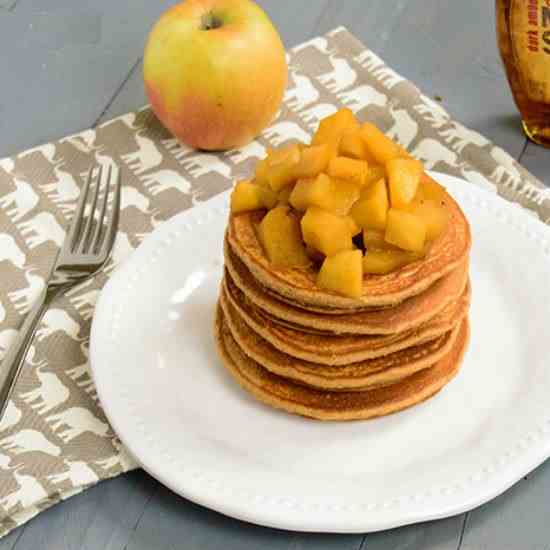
[{"x": 66, "y": 65}]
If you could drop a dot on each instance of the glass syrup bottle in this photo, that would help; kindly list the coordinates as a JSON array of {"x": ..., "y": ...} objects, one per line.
[{"x": 523, "y": 33}]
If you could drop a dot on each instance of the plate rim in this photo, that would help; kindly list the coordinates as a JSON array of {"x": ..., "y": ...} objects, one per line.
[{"x": 436, "y": 504}]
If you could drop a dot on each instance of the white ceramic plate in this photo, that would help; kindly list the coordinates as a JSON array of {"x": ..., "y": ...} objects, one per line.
[{"x": 190, "y": 426}]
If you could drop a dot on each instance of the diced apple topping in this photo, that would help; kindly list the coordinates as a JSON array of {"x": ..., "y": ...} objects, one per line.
[
  {"x": 289, "y": 153},
  {"x": 262, "y": 169},
  {"x": 405, "y": 230},
  {"x": 343, "y": 273},
  {"x": 325, "y": 231},
  {"x": 332, "y": 195},
  {"x": 352, "y": 146},
  {"x": 280, "y": 235},
  {"x": 430, "y": 190},
  {"x": 380, "y": 262},
  {"x": 380, "y": 147},
  {"x": 353, "y": 226},
  {"x": 376, "y": 172},
  {"x": 313, "y": 161},
  {"x": 372, "y": 207},
  {"x": 332, "y": 128},
  {"x": 249, "y": 196},
  {"x": 268, "y": 197},
  {"x": 373, "y": 238},
  {"x": 300, "y": 198},
  {"x": 281, "y": 167},
  {"x": 403, "y": 179},
  {"x": 355, "y": 171},
  {"x": 351, "y": 191},
  {"x": 434, "y": 215},
  {"x": 284, "y": 194}
]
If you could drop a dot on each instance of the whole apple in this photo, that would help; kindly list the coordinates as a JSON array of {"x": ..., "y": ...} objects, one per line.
[{"x": 215, "y": 72}]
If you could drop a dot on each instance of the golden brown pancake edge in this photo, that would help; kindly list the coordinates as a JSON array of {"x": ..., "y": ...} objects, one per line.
[
  {"x": 358, "y": 376},
  {"x": 283, "y": 394},
  {"x": 408, "y": 314},
  {"x": 298, "y": 285},
  {"x": 340, "y": 349}
]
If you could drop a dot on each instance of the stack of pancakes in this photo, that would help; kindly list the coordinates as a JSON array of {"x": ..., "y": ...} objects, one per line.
[{"x": 323, "y": 355}]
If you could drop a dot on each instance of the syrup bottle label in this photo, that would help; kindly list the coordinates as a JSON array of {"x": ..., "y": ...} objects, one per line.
[{"x": 530, "y": 37}]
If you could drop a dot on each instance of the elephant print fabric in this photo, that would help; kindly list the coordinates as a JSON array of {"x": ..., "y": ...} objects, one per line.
[{"x": 54, "y": 438}]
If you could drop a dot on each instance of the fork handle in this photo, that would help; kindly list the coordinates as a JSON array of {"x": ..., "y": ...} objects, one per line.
[{"x": 10, "y": 367}]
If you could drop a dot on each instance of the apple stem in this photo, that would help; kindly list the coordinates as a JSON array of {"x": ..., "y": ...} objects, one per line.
[{"x": 210, "y": 21}]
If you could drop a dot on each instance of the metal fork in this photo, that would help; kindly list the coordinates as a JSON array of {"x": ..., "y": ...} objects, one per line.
[{"x": 85, "y": 250}]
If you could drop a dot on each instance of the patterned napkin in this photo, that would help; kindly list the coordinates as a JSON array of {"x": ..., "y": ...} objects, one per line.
[{"x": 55, "y": 440}]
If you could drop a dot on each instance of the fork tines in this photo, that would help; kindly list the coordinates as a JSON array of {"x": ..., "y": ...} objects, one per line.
[{"x": 97, "y": 211}]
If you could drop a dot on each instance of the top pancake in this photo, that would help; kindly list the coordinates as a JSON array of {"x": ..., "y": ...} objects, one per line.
[{"x": 298, "y": 286}]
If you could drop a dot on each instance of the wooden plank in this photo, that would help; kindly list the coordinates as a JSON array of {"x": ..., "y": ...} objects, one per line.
[
  {"x": 102, "y": 517},
  {"x": 516, "y": 519},
  {"x": 295, "y": 24},
  {"x": 67, "y": 60},
  {"x": 9, "y": 542},
  {"x": 129, "y": 97},
  {"x": 7, "y": 4},
  {"x": 172, "y": 522},
  {"x": 437, "y": 535}
]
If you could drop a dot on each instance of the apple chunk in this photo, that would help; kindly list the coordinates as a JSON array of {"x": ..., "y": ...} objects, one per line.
[
  {"x": 325, "y": 231},
  {"x": 300, "y": 197},
  {"x": 352, "y": 146},
  {"x": 248, "y": 196},
  {"x": 375, "y": 239},
  {"x": 371, "y": 209},
  {"x": 380, "y": 147},
  {"x": 343, "y": 273},
  {"x": 376, "y": 172},
  {"x": 313, "y": 161},
  {"x": 327, "y": 193},
  {"x": 353, "y": 226},
  {"x": 279, "y": 233},
  {"x": 268, "y": 197},
  {"x": 403, "y": 179},
  {"x": 430, "y": 190},
  {"x": 352, "y": 170},
  {"x": 261, "y": 171},
  {"x": 332, "y": 128},
  {"x": 380, "y": 262},
  {"x": 281, "y": 168},
  {"x": 405, "y": 230},
  {"x": 284, "y": 194},
  {"x": 434, "y": 215}
]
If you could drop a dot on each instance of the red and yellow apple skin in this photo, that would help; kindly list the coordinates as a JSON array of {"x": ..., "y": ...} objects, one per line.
[{"x": 215, "y": 72}]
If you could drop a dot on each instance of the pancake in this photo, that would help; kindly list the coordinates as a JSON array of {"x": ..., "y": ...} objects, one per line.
[
  {"x": 407, "y": 315},
  {"x": 370, "y": 373},
  {"x": 298, "y": 285},
  {"x": 331, "y": 349},
  {"x": 294, "y": 398}
]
